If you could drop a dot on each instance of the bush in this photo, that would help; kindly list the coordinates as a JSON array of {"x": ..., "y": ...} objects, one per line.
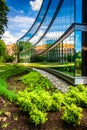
[
  {"x": 77, "y": 95},
  {"x": 9, "y": 59},
  {"x": 37, "y": 100},
  {"x": 57, "y": 101},
  {"x": 36, "y": 103},
  {"x": 72, "y": 114},
  {"x": 38, "y": 117},
  {"x": 40, "y": 99}
]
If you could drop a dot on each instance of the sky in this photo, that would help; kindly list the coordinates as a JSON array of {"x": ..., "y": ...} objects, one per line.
[{"x": 21, "y": 16}]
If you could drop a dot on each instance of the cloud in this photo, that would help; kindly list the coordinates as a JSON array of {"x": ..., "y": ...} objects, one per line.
[
  {"x": 8, "y": 38},
  {"x": 18, "y": 23},
  {"x": 21, "y": 19},
  {"x": 17, "y": 27},
  {"x": 37, "y": 37},
  {"x": 53, "y": 35},
  {"x": 35, "y": 5},
  {"x": 21, "y": 11}
]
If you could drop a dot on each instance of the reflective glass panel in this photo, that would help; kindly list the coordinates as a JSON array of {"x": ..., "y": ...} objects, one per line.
[{"x": 78, "y": 53}]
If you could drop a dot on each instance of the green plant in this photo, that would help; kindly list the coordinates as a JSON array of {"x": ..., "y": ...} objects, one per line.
[
  {"x": 35, "y": 99},
  {"x": 11, "y": 70},
  {"x": 5, "y": 125},
  {"x": 36, "y": 103},
  {"x": 37, "y": 116},
  {"x": 15, "y": 117},
  {"x": 36, "y": 80},
  {"x": 77, "y": 95},
  {"x": 10, "y": 95},
  {"x": 57, "y": 101},
  {"x": 72, "y": 114},
  {"x": 2, "y": 112}
]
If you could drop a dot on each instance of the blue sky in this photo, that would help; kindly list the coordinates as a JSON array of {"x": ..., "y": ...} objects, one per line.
[{"x": 20, "y": 18}]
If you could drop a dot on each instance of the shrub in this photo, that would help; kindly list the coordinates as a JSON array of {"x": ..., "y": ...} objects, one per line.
[
  {"x": 36, "y": 103},
  {"x": 29, "y": 100},
  {"x": 77, "y": 95},
  {"x": 37, "y": 116},
  {"x": 9, "y": 59},
  {"x": 57, "y": 101},
  {"x": 72, "y": 114}
]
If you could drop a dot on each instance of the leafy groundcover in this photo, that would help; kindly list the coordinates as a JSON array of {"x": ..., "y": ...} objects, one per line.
[{"x": 39, "y": 104}]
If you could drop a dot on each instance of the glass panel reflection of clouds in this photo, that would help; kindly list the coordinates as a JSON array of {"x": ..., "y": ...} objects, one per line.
[
  {"x": 38, "y": 21},
  {"x": 62, "y": 22},
  {"x": 64, "y": 53},
  {"x": 46, "y": 22},
  {"x": 78, "y": 51}
]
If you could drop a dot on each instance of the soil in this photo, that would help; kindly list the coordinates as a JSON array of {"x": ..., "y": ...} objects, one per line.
[{"x": 13, "y": 118}]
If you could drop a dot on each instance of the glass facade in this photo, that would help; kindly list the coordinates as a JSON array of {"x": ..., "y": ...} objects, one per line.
[
  {"x": 61, "y": 37},
  {"x": 38, "y": 21},
  {"x": 46, "y": 23}
]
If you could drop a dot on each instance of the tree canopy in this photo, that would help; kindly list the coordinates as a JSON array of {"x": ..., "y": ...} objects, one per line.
[
  {"x": 2, "y": 51},
  {"x": 3, "y": 15}
]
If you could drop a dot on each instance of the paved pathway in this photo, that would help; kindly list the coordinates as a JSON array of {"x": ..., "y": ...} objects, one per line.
[{"x": 59, "y": 83}]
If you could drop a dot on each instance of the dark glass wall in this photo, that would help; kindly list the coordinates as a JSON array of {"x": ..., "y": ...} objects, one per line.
[{"x": 84, "y": 39}]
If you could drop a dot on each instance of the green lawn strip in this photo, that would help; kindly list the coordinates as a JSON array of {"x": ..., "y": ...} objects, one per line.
[
  {"x": 50, "y": 65},
  {"x": 11, "y": 71},
  {"x": 4, "y": 90},
  {"x": 10, "y": 95}
]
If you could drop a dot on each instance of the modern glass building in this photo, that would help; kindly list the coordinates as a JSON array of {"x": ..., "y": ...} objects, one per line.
[{"x": 59, "y": 35}]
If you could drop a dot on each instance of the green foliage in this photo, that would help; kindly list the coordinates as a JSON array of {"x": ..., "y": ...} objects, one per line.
[
  {"x": 36, "y": 103},
  {"x": 3, "y": 15},
  {"x": 10, "y": 95},
  {"x": 2, "y": 51},
  {"x": 12, "y": 70},
  {"x": 35, "y": 99},
  {"x": 57, "y": 101},
  {"x": 77, "y": 95},
  {"x": 38, "y": 59},
  {"x": 24, "y": 46},
  {"x": 38, "y": 117},
  {"x": 3, "y": 83},
  {"x": 72, "y": 114},
  {"x": 78, "y": 63},
  {"x": 36, "y": 80},
  {"x": 9, "y": 59},
  {"x": 1, "y": 112},
  {"x": 38, "y": 100}
]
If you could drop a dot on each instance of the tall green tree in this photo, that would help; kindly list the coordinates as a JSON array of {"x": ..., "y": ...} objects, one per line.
[
  {"x": 2, "y": 51},
  {"x": 3, "y": 16}
]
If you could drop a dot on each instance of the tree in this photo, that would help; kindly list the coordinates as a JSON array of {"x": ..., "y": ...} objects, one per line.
[
  {"x": 24, "y": 46},
  {"x": 3, "y": 15},
  {"x": 2, "y": 51}
]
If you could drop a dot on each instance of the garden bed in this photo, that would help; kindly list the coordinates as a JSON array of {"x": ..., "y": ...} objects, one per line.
[{"x": 12, "y": 118}]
